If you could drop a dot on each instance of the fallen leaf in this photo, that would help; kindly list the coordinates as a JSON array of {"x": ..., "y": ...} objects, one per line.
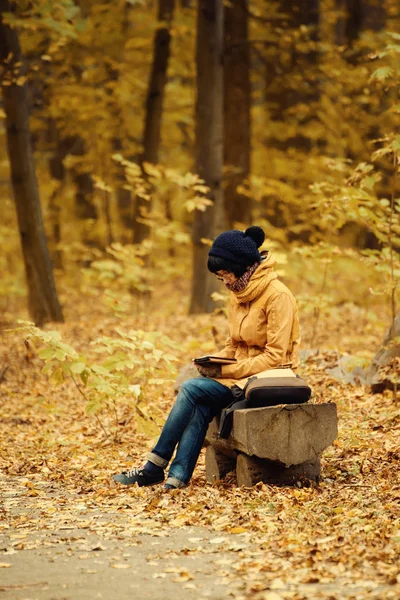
[
  {"x": 238, "y": 530},
  {"x": 89, "y": 571},
  {"x": 184, "y": 576}
]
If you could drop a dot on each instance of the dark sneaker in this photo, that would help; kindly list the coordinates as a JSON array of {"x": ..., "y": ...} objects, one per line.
[{"x": 139, "y": 476}]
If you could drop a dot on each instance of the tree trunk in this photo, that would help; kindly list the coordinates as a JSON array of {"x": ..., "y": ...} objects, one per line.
[
  {"x": 85, "y": 209},
  {"x": 58, "y": 151},
  {"x": 348, "y": 25},
  {"x": 237, "y": 101},
  {"x": 357, "y": 16},
  {"x": 209, "y": 154},
  {"x": 291, "y": 76},
  {"x": 374, "y": 15},
  {"x": 42, "y": 296},
  {"x": 154, "y": 106},
  {"x": 125, "y": 209},
  {"x": 124, "y": 196}
]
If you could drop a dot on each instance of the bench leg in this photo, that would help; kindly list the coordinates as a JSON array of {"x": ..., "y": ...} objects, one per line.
[
  {"x": 251, "y": 470},
  {"x": 217, "y": 465}
]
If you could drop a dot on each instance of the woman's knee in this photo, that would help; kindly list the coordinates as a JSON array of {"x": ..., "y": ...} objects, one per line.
[
  {"x": 187, "y": 394},
  {"x": 195, "y": 391},
  {"x": 190, "y": 387}
]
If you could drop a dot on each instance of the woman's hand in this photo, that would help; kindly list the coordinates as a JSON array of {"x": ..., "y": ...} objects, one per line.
[{"x": 212, "y": 371}]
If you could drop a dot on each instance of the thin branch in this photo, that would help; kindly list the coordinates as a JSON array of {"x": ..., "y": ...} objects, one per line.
[
  {"x": 87, "y": 400},
  {"x": 116, "y": 420},
  {"x": 128, "y": 420}
]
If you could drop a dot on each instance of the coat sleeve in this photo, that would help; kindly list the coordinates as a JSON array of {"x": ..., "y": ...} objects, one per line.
[
  {"x": 280, "y": 316},
  {"x": 229, "y": 350}
]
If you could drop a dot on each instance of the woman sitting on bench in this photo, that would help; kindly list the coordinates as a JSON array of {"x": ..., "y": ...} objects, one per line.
[{"x": 263, "y": 334}]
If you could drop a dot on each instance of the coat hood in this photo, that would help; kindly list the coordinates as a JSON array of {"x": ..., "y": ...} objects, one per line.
[{"x": 259, "y": 281}]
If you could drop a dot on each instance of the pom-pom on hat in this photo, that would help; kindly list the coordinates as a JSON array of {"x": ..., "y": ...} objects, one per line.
[{"x": 237, "y": 248}]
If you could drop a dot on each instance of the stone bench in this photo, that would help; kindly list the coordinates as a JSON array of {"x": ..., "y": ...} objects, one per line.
[{"x": 278, "y": 444}]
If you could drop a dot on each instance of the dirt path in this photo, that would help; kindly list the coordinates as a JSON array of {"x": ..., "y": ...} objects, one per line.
[
  {"x": 58, "y": 545},
  {"x": 75, "y": 564},
  {"x": 80, "y": 565},
  {"x": 78, "y": 552}
]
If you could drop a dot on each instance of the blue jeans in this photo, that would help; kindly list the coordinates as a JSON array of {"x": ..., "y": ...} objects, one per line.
[{"x": 199, "y": 400}]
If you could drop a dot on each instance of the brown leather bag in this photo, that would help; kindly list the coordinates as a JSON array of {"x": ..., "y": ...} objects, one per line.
[
  {"x": 269, "y": 391},
  {"x": 275, "y": 386}
]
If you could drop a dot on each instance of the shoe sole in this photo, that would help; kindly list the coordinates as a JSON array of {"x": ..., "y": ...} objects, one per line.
[{"x": 140, "y": 484}]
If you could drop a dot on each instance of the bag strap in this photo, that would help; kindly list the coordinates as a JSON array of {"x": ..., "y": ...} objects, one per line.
[
  {"x": 226, "y": 418},
  {"x": 253, "y": 378},
  {"x": 237, "y": 405}
]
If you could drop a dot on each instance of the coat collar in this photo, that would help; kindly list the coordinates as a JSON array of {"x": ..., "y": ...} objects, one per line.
[{"x": 259, "y": 281}]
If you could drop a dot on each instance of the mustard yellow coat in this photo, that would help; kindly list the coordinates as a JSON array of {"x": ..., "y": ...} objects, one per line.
[{"x": 263, "y": 327}]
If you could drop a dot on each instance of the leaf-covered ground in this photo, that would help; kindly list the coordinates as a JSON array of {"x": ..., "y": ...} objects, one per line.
[{"x": 338, "y": 539}]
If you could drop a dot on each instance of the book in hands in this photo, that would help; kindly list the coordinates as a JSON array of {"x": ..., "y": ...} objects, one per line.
[{"x": 213, "y": 360}]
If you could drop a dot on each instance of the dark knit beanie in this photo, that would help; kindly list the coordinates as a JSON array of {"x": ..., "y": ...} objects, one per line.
[{"x": 235, "y": 250}]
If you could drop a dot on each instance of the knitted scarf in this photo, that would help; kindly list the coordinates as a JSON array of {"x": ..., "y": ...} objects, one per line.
[
  {"x": 241, "y": 282},
  {"x": 262, "y": 276}
]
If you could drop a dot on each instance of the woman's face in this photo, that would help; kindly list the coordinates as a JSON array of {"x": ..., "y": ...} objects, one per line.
[{"x": 227, "y": 277}]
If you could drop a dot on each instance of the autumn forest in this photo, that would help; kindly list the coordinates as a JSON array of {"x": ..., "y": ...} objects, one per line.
[{"x": 132, "y": 133}]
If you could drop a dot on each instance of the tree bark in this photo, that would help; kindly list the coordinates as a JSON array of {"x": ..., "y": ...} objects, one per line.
[
  {"x": 373, "y": 15},
  {"x": 291, "y": 75},
  {"x": 357, "y": 16},
  {"x": 42, "y": 296},
  {"x": 348, "y": 25},
  {"x": 209, "y": 153},
  {"x": 124, "y": 196},
  {"x": 58, "y": 151},
  {"x": 125, "y": 208},
  {"x": 154, "y": 106},
  {"x": 85, "y": 209},
  {"x": 237, "y": 101}
]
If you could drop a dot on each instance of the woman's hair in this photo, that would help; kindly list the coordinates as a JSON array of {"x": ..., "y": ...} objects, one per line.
[{"x": 216, "y": 263}]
